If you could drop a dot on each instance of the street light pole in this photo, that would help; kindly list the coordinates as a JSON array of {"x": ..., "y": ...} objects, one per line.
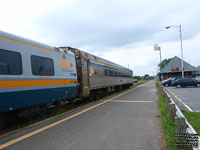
[
  {"x": 181, "y": 47},
  {"x": 181, "y": 51}
]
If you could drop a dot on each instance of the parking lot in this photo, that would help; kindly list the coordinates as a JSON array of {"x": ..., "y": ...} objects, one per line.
[{"x": 187, "y": 98}]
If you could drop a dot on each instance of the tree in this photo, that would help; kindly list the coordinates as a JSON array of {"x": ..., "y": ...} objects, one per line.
[
  {"x": 146, "y": 76},
  {"x": 164, "y": 63},
  {"x": 137, "y": 77},
  {"x": 198, "y": 67}
]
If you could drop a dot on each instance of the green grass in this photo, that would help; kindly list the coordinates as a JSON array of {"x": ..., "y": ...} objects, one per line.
[
  {"x": 194, "y": 119},
  {"x": 139, "y": 82},
  {"x": 168, "y": 127},
  {"x": 157, "y": 84}
]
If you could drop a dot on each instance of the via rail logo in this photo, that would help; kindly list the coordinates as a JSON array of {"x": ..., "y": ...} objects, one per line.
[{"x": 66, "y": 66}]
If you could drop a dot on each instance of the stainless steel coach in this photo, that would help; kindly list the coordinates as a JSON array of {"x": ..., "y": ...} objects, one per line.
[{"x": 97, "y": 76}]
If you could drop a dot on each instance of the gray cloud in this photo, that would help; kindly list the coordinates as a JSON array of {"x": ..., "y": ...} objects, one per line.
[
  {"x": 103, "y": 26},
  {"x": 100, "y": 25},
  {"x": 120, "y": 23}
]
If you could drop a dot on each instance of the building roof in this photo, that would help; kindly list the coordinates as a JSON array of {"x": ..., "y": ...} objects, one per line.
[{"x": 175, "y": 66}]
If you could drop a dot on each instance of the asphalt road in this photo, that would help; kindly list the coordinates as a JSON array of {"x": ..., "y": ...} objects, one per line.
[
  {"x": 123, "y": 122},
  {"x": 189, "y": 96}
]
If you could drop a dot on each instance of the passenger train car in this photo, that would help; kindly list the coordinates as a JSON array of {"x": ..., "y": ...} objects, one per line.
[
  {"x": 34, "y": 76},
  {"x": 97, "y": 75}
]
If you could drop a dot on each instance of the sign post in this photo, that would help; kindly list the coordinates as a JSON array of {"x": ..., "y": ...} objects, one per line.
[{"x": 157, "y": 48}]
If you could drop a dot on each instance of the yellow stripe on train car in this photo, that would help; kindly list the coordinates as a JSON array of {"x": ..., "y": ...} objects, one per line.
[{"x": 7, "y": 84}]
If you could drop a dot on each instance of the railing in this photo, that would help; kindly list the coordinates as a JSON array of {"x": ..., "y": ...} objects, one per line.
[{"x": 189, "y": 128}]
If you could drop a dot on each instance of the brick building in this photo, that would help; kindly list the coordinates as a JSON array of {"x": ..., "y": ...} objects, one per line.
[{"x": 173, "y": 69}]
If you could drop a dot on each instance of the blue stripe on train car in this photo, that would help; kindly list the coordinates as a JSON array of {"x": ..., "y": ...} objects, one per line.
[
  {"x": 22, "y": 99},
  {"x": 92, "y": 63}
]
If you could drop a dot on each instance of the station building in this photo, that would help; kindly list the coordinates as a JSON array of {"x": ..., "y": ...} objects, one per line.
[{"x": 173, "y": 69}]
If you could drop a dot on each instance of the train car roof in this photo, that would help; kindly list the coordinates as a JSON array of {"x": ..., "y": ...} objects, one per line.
[
  {"x": 98, "y": 59},
  {"x": 25, "y": 41}
]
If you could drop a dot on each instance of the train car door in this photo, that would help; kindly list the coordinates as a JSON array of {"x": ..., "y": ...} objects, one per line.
[{"x": 85, "y": 78}]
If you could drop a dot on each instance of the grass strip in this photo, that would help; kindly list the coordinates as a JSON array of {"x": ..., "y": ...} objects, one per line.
[
  {"x": 139, "y": 82},
  {"x": 168, "y": 127},
  {"x": 193, "y": 118}
]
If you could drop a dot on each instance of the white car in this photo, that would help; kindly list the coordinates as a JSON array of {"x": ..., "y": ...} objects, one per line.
[{"x": 197, "y": 78}]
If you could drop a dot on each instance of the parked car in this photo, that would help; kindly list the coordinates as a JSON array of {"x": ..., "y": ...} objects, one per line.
[
  {"x": 163, "y": 81},
  {"x": 174, "y": 79},
  {"x": 135, "y": 80},
  {"x": 197, "y": 78},
  {"x": 169, "y": 81},
  {"x": 186, "y": 82}
]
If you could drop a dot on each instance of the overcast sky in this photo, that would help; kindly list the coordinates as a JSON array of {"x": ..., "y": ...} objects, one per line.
[{"x": 123, "y": 31}]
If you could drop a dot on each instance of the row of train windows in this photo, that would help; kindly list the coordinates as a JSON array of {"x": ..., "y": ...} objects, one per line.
[
  {"x": 11, "y": 64},
  {"x": 116, "y": 73}
]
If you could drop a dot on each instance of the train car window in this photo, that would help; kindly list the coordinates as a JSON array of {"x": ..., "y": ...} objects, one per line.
[
  {"x": 119, "y": 74},
  {"x": 106, "y": 72},
  {"x": 42, "y": 66},
  {"x": 95, "y": 71},
  {"x": 115, "y": 73},
  {"x": 57, "y": 49},
  {"x": 110, "y": 73},
  {"x": 85, "y": 68},
  {"x": 10, "y": 63}
]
